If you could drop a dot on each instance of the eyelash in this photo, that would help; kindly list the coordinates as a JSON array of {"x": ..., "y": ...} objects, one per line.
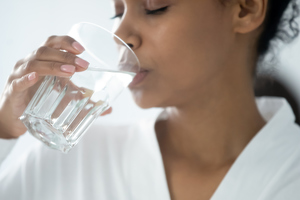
[
  {"x": 157, "y": 11},
  {"x": 148, "y": 12}
]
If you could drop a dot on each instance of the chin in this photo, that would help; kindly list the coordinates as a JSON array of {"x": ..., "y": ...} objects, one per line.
[
  {"x": 142, "y": 103},
  {"x": 145, "y": 100}
]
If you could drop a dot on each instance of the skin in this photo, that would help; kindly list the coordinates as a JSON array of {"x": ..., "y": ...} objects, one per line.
[{"x": 200, "y": 55}]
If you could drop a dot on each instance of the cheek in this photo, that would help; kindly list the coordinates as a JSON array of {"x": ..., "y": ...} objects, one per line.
[{"x": 188, "y": 50}]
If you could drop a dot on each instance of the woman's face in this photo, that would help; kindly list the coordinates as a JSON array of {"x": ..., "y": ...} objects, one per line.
[{"x": 183, "y": 46}]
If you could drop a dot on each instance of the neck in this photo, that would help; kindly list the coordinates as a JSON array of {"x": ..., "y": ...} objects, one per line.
[{"x": 213, "y": 128}]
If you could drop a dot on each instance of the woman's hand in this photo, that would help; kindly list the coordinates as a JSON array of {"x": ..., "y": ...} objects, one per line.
[{"x": 56, "y": 57}]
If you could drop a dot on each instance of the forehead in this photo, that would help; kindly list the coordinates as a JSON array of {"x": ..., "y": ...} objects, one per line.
[
  {"x": 136, "y": 1},
  {"x": 124, "y": 2}
]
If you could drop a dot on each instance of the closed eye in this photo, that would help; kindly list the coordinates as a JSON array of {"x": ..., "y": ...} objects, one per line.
[
  {"x": 157, "y": 11},
  {"x": 148, "y": 12}
]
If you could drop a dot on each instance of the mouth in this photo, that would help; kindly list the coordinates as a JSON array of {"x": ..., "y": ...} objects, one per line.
[
  {"x": 139, "y": 77},
  {"x": 143, "y": 70}
]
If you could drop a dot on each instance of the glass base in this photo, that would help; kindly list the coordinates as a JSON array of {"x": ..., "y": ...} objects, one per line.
[{"x": 43, "y": 131}]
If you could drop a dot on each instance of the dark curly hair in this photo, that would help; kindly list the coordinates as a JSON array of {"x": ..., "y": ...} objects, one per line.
[{"x": 278, "y": 26}]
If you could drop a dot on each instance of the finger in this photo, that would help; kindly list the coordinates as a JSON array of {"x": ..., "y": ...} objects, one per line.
[
  {"x": 64, "y": 43},
  {"x": 23, "y": 83},
  {"x": 108, "y": 111},
  {"x": 49, "y": 54},
  {"x": 44, "y": 68}
]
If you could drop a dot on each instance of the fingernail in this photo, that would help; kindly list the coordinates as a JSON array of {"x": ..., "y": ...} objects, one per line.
[
  {"x": 78, "y": 46},
  {"x": 31, "y": 76},
  {"x": 82, "y": 63},
  {"x": 68, "y": 68}
]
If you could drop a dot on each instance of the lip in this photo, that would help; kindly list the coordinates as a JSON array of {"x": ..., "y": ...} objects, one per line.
[
  {"x": 143, "y": 69},
  {"x": 139, "y": 77}
]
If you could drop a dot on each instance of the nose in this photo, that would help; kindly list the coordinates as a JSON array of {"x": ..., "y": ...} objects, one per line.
[
  {"x": 130, "y": 45},
  {"x": 127, "y": 30}
]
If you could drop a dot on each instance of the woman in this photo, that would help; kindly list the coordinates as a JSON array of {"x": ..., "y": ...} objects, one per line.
[{"x": 213, "y": 140}]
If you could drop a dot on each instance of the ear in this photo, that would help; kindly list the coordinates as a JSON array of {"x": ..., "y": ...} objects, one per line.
[{"x": 249, "y": 15}]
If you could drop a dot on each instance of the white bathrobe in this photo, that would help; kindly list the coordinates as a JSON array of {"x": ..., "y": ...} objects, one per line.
[{"x": 125, "y": 163}]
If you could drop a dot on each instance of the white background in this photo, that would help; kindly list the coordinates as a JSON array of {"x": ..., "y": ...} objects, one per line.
[{"x": 26, "y": 24}]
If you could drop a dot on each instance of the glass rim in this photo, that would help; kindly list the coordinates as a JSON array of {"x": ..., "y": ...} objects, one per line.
[{"x": 110, "y": 32}]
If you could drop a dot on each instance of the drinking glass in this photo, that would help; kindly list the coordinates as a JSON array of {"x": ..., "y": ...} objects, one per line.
[{"x": 62, "y": 109}]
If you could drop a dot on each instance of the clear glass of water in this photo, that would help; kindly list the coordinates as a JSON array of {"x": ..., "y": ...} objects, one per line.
[{"x": 62, "y": 109}]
